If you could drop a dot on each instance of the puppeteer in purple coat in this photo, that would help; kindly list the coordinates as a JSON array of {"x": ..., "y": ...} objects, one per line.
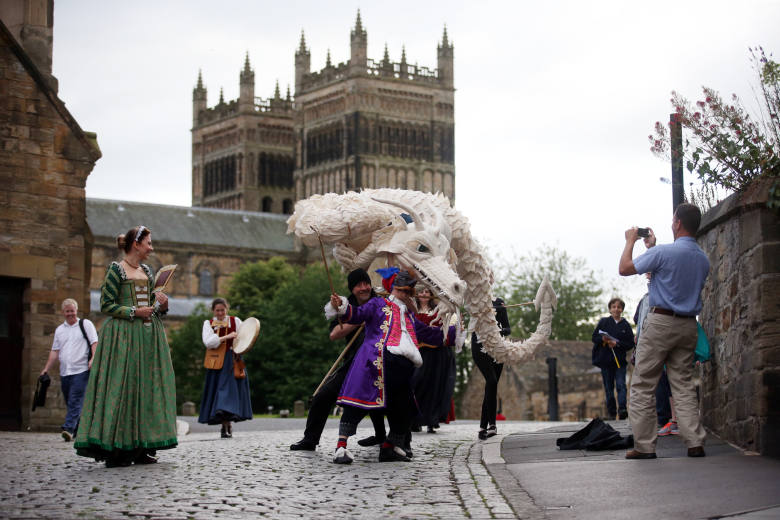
[{"x": 364, "y": 386}]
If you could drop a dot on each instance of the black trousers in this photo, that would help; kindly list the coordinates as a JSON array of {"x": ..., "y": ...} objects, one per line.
[
  {"x": 324, "y": 402},
  {"x": 401, "y": 407},
  {"x": 491, "y": 371}
]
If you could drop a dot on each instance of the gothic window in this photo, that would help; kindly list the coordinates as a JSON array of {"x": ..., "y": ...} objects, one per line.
[
  {"x": 267, "y": 202},
  {"x": 206, "y": 284},
  {"x": 287, "y": 206}
]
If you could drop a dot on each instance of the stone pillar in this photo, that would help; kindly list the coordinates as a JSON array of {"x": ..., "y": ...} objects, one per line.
[{"x": 299, "y": 411}]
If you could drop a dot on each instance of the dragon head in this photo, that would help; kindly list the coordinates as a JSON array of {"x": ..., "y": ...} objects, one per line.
[{"x": 424, "y": 250}]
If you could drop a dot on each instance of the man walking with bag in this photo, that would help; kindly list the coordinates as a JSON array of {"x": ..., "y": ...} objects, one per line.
[
  {"x": 669, "y": 332},
  {"x": 74, "y": 346}
]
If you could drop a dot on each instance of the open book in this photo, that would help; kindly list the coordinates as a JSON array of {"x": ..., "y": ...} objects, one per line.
[
  {"x": 605, "y": 335},
  {"x": 163, "y": 276}
]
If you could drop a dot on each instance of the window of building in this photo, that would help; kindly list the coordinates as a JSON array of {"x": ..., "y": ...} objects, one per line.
[
  {"x": 206, "y": 287},
  {"x": 287, "y": 206},
  {"x": 267, "y": 202}
]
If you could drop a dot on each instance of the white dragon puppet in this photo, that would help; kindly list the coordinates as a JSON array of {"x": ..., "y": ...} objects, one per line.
[{"x": 437, "y": 248}]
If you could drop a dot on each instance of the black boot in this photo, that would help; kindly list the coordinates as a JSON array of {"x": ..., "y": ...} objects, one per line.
[
  {"x": 304, "y": 445},
  {"x": 371, "y": 441},
  {"x": 225, "y": 434},
  {"x": 392, "y": 454}
]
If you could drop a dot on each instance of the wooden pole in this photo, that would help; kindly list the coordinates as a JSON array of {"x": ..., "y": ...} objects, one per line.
[
  {"x": 518, "y": 304},
  {"x": 357, "y": 333},
  {"x": 333, "y": 289}
]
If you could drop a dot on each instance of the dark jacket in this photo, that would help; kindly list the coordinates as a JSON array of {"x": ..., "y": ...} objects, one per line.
[
  {"x": 350, "y": 355},
  {"x": 621, "y": 331}
]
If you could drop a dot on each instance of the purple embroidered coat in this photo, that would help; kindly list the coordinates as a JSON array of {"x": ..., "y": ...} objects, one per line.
[{"x": 364, "y": 386}]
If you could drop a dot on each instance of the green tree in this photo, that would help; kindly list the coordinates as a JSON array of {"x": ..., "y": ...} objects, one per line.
[
  {"x": 294, "y": 350},
  {"x": 187, "y": 353},
  {"x": 255, "y": 284},
  {"x": 577, "y": 287}
]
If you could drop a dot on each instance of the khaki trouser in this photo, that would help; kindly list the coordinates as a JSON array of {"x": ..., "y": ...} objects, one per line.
[{"x": 670, "y": 341}]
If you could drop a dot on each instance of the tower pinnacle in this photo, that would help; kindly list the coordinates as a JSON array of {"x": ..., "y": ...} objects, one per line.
[
  {"x": 247, "y": 69},
  {"x": 403, "y": 54},
  {"x": 327, "y": 62},
  {"x": 358, "y": 24},
  {"x": 221, "y": 96},
  {"x": 288, "y": 93},
  {"x": 302, "y": 48},
  {"x": 386, "y": 59},
  {"x": 444, "y": 41},
  {"x": 200, "y": 80},
  {"x": 277, "y": 95}
]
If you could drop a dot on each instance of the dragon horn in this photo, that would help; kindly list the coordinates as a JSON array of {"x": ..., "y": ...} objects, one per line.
[
  {"x": 545, "y": 289},
  {"x": 441, "y": 223},
  {"x": 418, "y": 223}
]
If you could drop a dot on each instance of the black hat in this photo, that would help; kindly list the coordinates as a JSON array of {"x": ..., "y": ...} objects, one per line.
[
  {"x": 404, "y": 279},
  {"x": 357, "y": 276}
]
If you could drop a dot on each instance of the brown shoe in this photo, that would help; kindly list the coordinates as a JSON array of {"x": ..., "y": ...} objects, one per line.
[
  {"x": 633, "y": 454},
  {"x": 697, "y": 451}
]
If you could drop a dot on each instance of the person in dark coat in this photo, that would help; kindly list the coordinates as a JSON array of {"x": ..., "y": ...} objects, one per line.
[
  {"x": 608, "y": 354},
  {"x": 491, "y": 371},
  {"x": 359, "y": 284}
]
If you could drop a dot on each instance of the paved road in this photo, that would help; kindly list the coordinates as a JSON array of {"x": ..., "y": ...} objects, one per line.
[
  {"x": 603, "y": 485},
  {"x": 254, "y": 474}
]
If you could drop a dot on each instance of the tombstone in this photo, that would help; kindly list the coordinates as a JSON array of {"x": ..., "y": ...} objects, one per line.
[
  {"x": 528, "y": 415},
  {"x": 569, "y": 417},
  {"x": 284, "y": 414},
  {"x": 298, "y": 409},
  {"x": 188, "y": 409}
]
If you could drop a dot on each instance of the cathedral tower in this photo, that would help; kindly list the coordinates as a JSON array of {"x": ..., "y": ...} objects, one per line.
[{"x": 375, "y": 124}]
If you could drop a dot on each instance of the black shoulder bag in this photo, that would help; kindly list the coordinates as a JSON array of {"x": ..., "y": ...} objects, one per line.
[{"x": 84, "y": 333}]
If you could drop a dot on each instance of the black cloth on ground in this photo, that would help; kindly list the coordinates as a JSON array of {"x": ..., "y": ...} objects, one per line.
[{"x": 596, "y": 436}]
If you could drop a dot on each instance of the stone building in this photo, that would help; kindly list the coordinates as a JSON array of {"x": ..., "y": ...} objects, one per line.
[
  {"x": 208, "y": 245},
  {"x": 359, "y": 124},
  {"x": 45, "y": 159},
  {"x": 242, "y": 151},
  {"x": 523, "y": 390}
]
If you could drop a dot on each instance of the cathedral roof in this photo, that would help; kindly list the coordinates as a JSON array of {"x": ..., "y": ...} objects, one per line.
[{"x": 192, "y": 225}]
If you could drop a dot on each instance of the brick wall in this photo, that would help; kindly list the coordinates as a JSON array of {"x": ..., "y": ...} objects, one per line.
[
  {"x": 45, "y": 159},
  {"x": 740, "y": 387}
]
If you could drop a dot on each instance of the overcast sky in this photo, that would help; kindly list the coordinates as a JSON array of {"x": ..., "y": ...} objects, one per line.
[{"x": 553, "y": 107}]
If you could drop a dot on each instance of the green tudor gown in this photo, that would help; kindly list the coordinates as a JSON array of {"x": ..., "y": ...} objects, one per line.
[{"x": 130, "y": 400}]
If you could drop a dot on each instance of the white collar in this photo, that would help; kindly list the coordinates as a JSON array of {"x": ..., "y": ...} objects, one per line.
[
  {"x": 67, "y": 325},
  {"x": 398, "y": 302}
]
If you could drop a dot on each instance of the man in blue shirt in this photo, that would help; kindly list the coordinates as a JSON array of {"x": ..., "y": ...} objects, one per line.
[{"x": 669, "y": 331}]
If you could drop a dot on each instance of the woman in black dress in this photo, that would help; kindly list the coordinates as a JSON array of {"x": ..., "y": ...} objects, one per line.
[{"x": 491, "y": 371}]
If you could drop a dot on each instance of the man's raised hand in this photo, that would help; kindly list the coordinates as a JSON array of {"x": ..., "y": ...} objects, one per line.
[{"x": 335, "y": 301}]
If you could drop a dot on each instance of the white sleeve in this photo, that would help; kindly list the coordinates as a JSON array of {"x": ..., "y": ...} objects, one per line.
[
  {"x": 92, "y": 334},
  {"x": 210, "y": 339},
  {"x": 238, "y": 322},
  {"x": 331, "y": 313},
  {"x": 56, "y": 344}
]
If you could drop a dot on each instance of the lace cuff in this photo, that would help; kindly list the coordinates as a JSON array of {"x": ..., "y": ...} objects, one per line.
[
  {"x": 331, "y": 313},
  {"x": 131, "y": 316}
]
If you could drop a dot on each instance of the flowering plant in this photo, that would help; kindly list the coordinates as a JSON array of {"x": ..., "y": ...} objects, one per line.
[{"x": 724, "y": 145}]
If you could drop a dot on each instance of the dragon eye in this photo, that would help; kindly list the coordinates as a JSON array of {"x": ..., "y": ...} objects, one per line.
[{"x": 422, "y": 249}]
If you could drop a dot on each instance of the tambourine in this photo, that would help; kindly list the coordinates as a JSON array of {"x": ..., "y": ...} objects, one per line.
[{"x": 247, "y": 335}]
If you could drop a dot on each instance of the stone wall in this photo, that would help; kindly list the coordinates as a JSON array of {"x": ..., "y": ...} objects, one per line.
[
  {"x": 45, "y": 159},
  {"x": 523, "y": 390},
  {"x": 740, "y": 387}
]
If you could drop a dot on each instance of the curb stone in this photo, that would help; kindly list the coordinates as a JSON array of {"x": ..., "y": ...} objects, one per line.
[{"x": 521, "y": 502}]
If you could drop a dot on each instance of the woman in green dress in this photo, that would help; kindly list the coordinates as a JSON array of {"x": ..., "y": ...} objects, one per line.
[{"x": 130, "y": 406}]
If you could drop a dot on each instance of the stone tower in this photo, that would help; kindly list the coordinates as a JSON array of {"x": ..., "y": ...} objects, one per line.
[
  {"x": 374, "y": 124},
  {"x": 242, "y": 150}
]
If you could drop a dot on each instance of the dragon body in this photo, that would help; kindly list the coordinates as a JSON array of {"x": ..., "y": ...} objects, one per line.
[{"x": 437, "y": 247}]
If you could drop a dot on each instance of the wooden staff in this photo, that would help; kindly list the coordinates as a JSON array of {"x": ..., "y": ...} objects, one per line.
[
  {"x": 518, "y": 304},
  {"x": 357, "y": 333},
  {"x": 322, "y": 250}
]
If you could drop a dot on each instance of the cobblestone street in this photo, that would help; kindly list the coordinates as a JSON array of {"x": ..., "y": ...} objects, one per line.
[{"x": 255, "y": 474}]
